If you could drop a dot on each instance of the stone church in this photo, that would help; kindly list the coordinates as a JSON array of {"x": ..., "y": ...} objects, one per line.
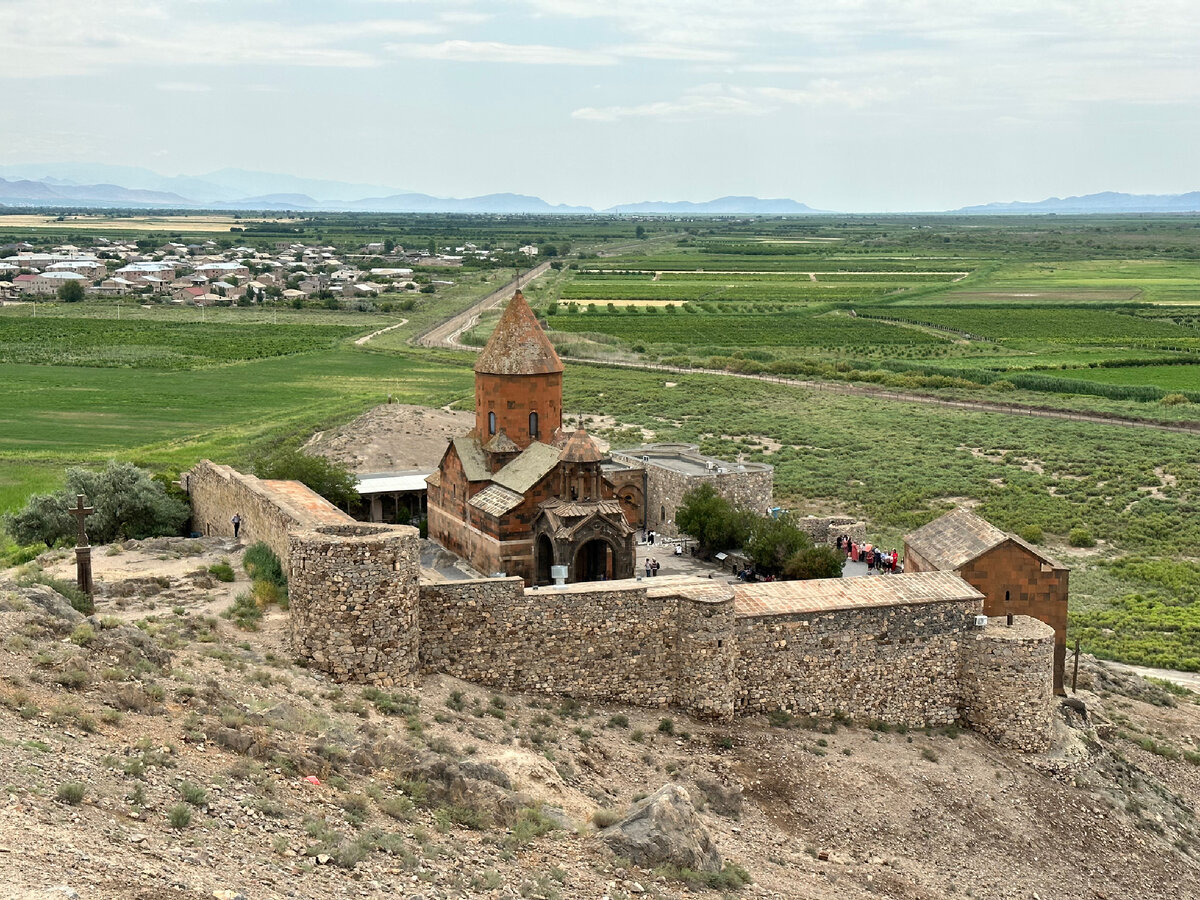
[{"x": 518, "y": 494}]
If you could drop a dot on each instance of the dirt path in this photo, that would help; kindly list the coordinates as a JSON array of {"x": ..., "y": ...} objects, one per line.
[
  {"x": 1189, "y": 680},
  {"x": 446, "y": 334},
  {"x": 374, "y": 334}
]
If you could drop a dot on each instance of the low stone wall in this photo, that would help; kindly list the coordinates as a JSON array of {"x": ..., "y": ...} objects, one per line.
[
  {"x": 615, "y": 641},
  {"x": 354, "y": 601},
  {"x": 899, "y": 664},
  {"x": 269, "y": 509},
  {"x": 1008, "y": 686},
  {"x": 827, "y": 529}
]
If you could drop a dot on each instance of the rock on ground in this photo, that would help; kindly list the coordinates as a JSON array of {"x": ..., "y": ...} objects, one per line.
[{"x": 664, "y": 828}]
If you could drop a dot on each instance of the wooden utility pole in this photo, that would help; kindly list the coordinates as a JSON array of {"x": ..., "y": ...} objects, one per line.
[{"x": 1075, "y": 674}]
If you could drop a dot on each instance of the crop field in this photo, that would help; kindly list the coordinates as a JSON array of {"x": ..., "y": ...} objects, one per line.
[
  {"x": 1097, "y": 314},
  {"x": 1061, "y": 325},
  {"x": 742, "y": 329},
  {"x": 157, "y": 345}
]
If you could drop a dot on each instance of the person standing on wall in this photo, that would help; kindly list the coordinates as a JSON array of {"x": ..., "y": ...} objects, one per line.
[{"x": 237, "y": 524}]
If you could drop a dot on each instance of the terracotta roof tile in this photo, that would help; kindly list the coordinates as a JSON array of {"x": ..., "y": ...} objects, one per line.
[
  {"x": 518, "y": 346},
  {"x": 580, "y": 448},
  {"x": 956, "y": 538},
  {"x": 827, "y": 594}
]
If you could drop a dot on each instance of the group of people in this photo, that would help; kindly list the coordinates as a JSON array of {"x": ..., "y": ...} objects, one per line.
[
  {"x": 877, "y": 560},
  {"x": 651, "y": 567}
]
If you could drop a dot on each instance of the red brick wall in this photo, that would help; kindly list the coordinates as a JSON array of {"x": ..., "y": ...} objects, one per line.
[{"x": 512, "y": 398}]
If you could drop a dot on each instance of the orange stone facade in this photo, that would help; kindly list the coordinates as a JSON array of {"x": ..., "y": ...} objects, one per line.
[
  {"x": 1015, "y": 580},
  {"x": 527, "y": 408},
  {"x": 517, "y": 495}
]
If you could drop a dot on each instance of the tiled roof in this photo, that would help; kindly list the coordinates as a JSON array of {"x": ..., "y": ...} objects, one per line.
[
  {"x": 471, "y": 456},
  {"x": 827, "y": 594},
  {"x": 496, "y": 500},
  {"x": 518, "y": 346},
  {"x": 527, "y": 469},
  {"x": 955, "y": 539},
  {"x": 580, "y": 448}
]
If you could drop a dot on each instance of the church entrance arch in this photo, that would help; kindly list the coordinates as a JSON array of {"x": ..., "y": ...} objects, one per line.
[
  {"x": 593, "y": 561},
  {"x": 543, "y": 559}
]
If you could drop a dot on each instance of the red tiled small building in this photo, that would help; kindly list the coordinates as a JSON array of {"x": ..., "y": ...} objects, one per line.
[
  {"x": 517, "y": 494},
  {"x": 1014, "y": 576}
]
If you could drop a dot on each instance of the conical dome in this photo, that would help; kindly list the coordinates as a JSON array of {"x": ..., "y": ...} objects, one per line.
[
  {"x": 518, "y": 346},
  {"x": 580, "y": 448}
]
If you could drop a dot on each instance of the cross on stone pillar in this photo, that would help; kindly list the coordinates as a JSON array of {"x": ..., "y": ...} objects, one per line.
[{"x": 83, "y": 550}]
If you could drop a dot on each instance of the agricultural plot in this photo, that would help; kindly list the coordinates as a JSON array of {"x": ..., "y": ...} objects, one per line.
[
  {"x": 1058, "y": 325},
  {"x": 154, "y": 345},
  {"x": 1087, "y": 281},
  {"x": 742, "y": 329}
]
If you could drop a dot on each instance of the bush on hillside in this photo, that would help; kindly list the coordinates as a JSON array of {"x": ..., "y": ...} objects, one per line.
[{"x": 128, "y": 503}]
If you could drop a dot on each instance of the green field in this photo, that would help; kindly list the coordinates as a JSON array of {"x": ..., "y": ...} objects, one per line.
[{"x": 1088, "y": 314}]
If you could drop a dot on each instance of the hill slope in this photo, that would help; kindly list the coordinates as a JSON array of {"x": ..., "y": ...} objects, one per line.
[{"x": 168, "y": 761}]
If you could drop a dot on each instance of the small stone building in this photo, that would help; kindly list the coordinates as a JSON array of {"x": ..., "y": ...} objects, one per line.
[
  {"x": 652, "y": 480},
  {"x": 1013, "y": 576},
  {"x": 518, "y": 495}
]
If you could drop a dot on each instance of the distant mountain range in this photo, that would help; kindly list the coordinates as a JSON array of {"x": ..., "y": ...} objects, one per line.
[
  {"x": 1106, "y": 202},
  {"x": 57, "y": 185}
]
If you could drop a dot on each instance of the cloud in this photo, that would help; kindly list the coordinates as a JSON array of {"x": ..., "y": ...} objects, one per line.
[
  {"x": 497, "y": 52},
  {"x": 711, "y": 100},
  {"x": 184, "y": 87}
]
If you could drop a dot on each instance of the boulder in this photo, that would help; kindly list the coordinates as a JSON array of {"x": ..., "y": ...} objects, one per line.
[{"x": 664, "y": 828}]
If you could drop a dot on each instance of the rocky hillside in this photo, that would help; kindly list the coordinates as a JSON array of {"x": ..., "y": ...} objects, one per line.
[{"x": 156, "y": 750}]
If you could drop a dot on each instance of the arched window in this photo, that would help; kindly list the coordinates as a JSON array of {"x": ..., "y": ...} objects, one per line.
[
  {"x": 533, "y": 425},
  {"x": 491, "y": 423}
]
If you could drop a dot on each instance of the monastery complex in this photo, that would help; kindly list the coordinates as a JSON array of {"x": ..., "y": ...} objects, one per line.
[{"x": 974, "y": 632}]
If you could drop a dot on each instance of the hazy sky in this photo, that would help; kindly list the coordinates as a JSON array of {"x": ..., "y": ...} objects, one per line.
[{"x": 847, "y": 105}]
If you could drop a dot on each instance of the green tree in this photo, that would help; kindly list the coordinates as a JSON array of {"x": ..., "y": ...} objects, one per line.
[
  {"x": 128, "y": 503},
  {"x": 814, "y": 562},
  {"x": 333, "y": 481},
  {"x": 70, "y": 291},
  {"x": 712, "y": 520}
]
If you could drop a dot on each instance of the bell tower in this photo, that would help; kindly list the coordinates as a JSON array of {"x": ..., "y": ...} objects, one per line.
[{"x": 518, "y": 381}]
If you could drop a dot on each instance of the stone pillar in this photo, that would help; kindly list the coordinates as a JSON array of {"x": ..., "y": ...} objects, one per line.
[
  {"x": 354, "y": 601},
  {"x": 1008, "y": 682}
]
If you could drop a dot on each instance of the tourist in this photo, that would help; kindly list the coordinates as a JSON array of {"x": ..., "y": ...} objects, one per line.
[
  {"x": 839, "y": 543},
  {"x": 648, "y": 561},
  {"x": 237, "y": 524},
  {"x": 654, "y": 567}
]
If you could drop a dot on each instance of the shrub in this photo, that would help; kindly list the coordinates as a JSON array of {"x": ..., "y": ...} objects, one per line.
[
  {"x": 1173, "y": 399},
  {"x": 193, "y": 794},
  {"x": 128, "y": 503},
  {"x": 605, "y": 816},
  {"x": 244, "y": 612},
  {"x": 1032, "y": 534},
  {"x": 531, "y": 823},
  {"x": 83, "y": 635},
  {"x": 180, "y": 816},
  {"x": 221, "y": 571},
  {"x": 1081, "y": 537},
  {"x": 261, "y": 564},
  {"x": 72, "y": 792},
  {"x": 666, "y": 726}
]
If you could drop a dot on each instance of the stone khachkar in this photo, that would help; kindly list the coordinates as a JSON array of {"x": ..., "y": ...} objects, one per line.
[{"x": 83, "y": 548}]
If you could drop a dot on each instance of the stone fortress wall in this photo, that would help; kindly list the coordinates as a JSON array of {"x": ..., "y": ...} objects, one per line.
[
  {"x": 270, "y": 510},
  {"x": 902, "y": 649}
]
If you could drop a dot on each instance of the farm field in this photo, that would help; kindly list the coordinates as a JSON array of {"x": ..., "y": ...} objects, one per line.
[{"x": 1088, "y": 314}]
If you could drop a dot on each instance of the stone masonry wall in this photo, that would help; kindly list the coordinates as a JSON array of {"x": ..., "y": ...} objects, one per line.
[
  {"x": 615, "y": 641},
  {"x": 1007, "y": 683},
  {"x": 354, "y": 601},
  {"x": 269, "y": 509},
  {"x": 900, "y": 664},
  {"x": 826, "y": 529},
  {"x": 665, "y": 489}
]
